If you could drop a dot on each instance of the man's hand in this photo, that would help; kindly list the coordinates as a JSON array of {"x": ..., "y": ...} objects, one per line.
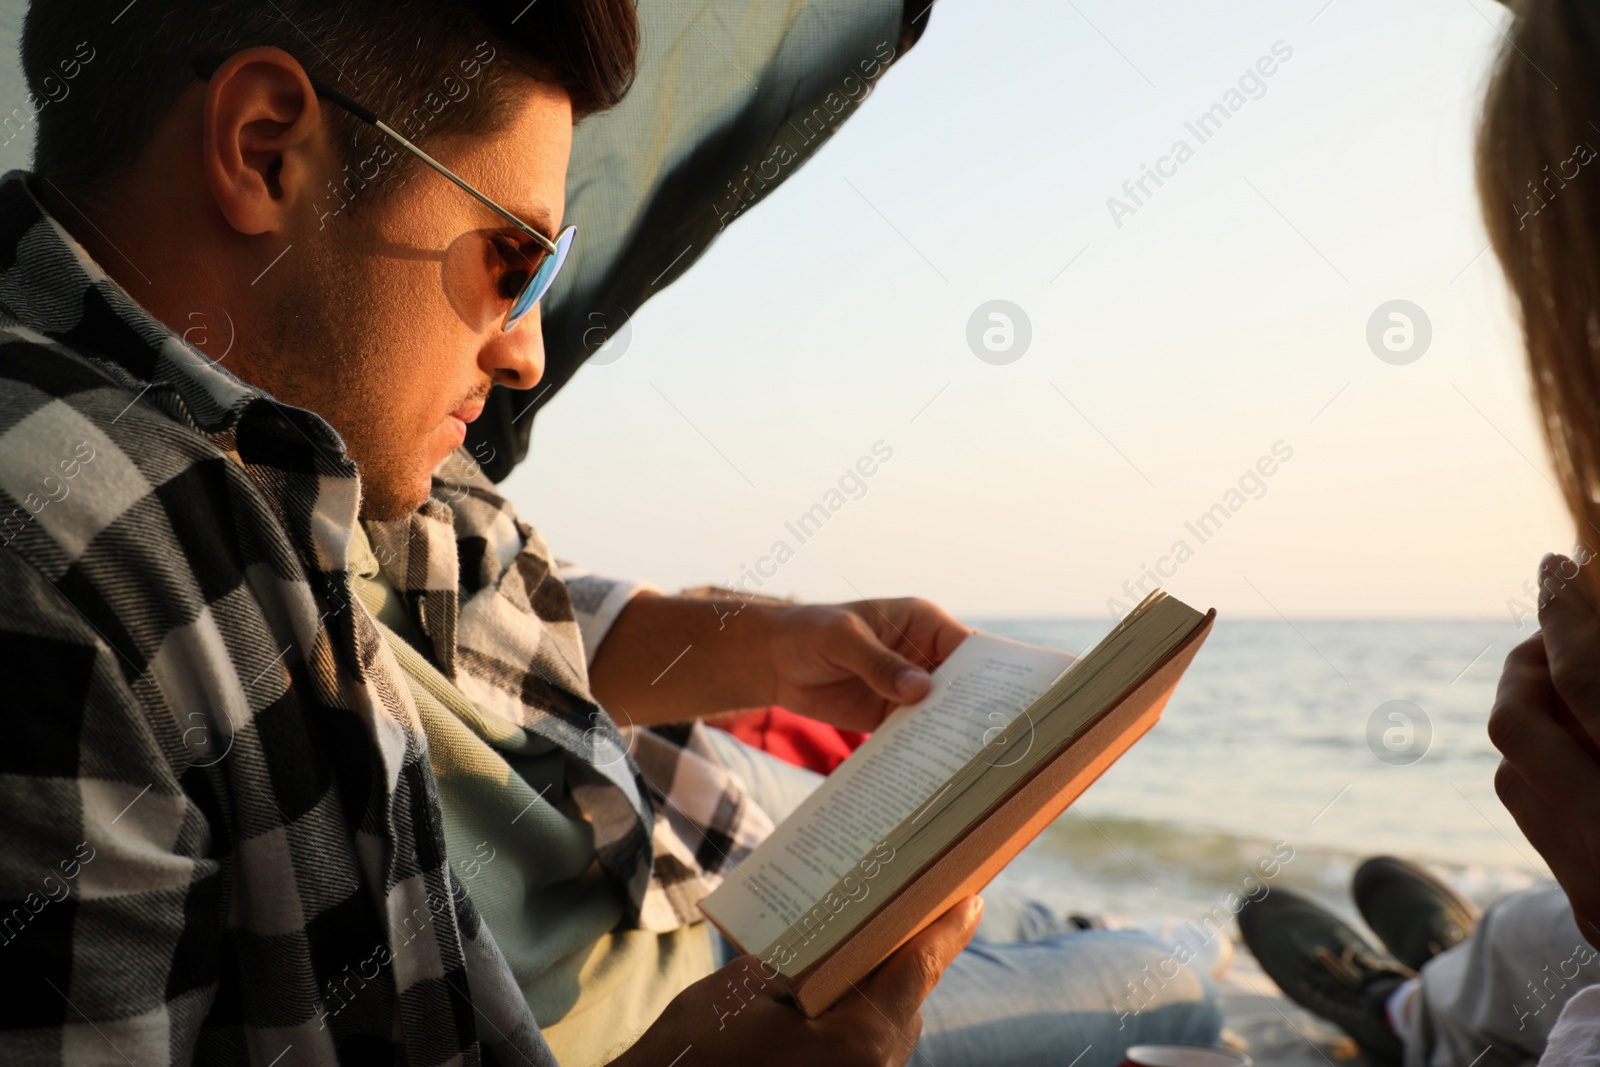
[
  {"x": 742, "y": 1015},
  {"x": 1548, "y": 781},
  {"x": 852, "y": 664},
  {"x": 672, "y": 659}
]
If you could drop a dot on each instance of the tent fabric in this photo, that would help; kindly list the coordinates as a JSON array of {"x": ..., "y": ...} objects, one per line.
[{"x": 731, "y": 97}]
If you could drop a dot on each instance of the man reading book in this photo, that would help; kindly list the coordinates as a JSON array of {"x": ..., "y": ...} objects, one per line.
[{"x": 316, "y": 754}]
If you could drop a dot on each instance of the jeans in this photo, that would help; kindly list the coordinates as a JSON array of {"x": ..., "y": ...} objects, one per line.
[{"x": 1031, "y": 989}]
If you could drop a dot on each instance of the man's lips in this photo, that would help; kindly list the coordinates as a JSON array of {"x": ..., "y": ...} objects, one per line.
[
  {"x": 469, "y": 411},
  {"x": 458, "y": 419}
]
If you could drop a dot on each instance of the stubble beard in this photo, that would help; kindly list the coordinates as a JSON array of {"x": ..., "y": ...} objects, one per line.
[{"x": 324, "y": 354}]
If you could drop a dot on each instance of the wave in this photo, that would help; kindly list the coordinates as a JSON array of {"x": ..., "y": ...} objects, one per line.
[{"x": 1137, "y": 869}]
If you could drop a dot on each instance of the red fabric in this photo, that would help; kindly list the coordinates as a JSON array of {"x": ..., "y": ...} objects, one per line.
[{"x": 793, "y": 738}]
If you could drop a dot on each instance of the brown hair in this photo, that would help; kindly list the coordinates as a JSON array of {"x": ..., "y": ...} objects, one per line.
[
  {"x": 1539, "y": 187},
  {"x": 104, "y": 73}
]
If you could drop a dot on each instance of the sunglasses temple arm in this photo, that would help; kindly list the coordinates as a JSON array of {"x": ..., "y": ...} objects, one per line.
[{"x": 383, "y": 127}]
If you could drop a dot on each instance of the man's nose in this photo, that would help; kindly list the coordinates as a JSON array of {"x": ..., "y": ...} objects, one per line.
[{"x": 515, "y": 359}]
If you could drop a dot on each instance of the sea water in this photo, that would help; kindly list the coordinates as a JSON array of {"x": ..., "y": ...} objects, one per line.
[{"x": 1284, "y": 736}]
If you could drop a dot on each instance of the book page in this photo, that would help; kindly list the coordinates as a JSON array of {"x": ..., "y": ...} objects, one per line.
[{"x": 977, "y": 691}]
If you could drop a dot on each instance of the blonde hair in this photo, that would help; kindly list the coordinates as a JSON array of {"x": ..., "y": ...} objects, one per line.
[{"x": 1539, "y": 189}]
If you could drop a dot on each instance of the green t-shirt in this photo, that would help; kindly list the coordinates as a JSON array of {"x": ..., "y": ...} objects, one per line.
[{"x": 527, "y": 858}]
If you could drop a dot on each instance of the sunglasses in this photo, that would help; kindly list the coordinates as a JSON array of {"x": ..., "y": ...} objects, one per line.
[{"x": 541, "y": 269}]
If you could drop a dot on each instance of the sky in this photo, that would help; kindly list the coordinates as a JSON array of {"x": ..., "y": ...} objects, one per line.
[
  {"x": 1172, "y": 347},
  {"x": 1180, "y": 345}
]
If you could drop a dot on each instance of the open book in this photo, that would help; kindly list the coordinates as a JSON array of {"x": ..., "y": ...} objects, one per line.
[{"x": 944, "y": 794}]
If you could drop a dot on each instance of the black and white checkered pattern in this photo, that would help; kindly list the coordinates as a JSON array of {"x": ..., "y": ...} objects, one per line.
[
  {"x": 222, "y": 838},
  {"x": 514, "y": 630}
]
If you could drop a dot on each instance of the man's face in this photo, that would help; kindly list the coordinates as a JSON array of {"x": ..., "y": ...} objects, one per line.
[{"x": 390, "y": 325}]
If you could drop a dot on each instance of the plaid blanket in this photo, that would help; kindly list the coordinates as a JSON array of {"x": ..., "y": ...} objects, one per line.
[{"x": 220, "y": 810}]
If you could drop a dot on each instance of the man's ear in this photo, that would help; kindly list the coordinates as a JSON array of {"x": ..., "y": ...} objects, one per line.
[{"x": 265, "y": 150}]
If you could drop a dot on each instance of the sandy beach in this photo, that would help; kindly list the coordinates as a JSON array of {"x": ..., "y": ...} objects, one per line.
[{"x": 1274, "y": 1030}]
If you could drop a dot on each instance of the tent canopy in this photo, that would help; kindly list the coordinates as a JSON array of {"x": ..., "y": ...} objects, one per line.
[{"x": 731, "y": 97}]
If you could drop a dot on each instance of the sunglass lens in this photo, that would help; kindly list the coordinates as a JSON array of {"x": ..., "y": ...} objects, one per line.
[{"x": 544, "y": 275}]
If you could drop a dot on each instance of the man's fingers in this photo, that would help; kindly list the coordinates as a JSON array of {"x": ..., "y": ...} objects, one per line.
[
  {"x": 931, "y": 632},
  {"x": 903, "y": 981},
  {"x": 886, "y": 671},
  {"x": 935, "y": 631},
  {"x": 918, "y": 629}
]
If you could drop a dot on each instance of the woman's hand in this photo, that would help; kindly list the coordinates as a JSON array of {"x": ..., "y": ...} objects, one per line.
[{"x": 1548, "y": 780}]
